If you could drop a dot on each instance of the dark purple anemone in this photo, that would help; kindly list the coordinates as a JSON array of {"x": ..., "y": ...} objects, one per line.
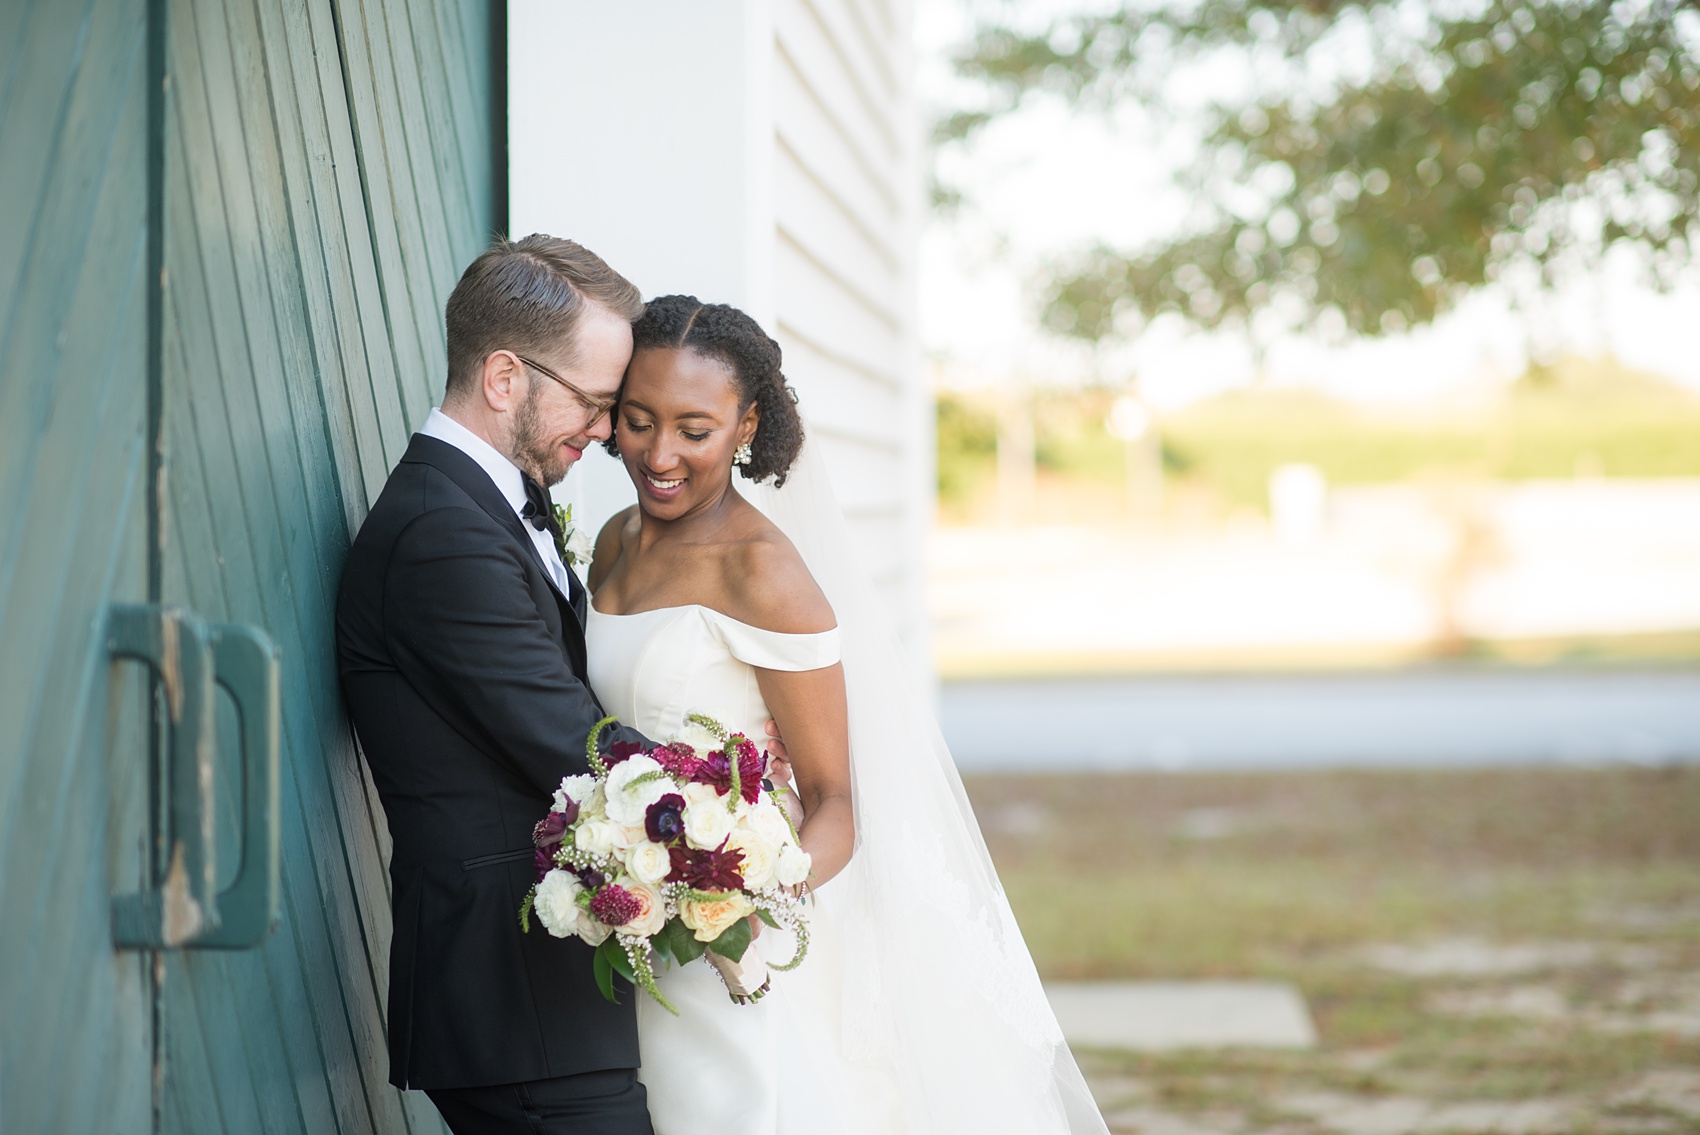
[
  {"x": 552, "y": 828},
  {"x": 665, "y": 820}
]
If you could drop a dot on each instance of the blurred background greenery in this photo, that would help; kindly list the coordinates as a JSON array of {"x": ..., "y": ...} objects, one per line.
[
  {"x": 1575, "y": 418},
  {"x": 1275, "y": 335}
]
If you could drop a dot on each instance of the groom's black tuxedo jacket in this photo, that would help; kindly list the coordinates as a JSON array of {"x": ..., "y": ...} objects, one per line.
[{"x": 464, "y": 671}]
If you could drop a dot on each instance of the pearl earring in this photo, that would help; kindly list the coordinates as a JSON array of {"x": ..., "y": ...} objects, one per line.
[{"x": 742, "y": 455}]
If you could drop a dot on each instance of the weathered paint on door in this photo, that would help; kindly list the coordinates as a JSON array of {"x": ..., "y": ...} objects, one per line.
[
  {"x": 77, "y": 1050},
  {"x": 327, "y": 166}
]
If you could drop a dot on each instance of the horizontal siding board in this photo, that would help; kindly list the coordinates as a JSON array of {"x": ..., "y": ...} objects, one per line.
[
  {"x": 866, "y": 54},
  {"x": 804, "y": 198},
  {"x": 862, "y": 475},
  {"x": 812, "y": 221},
  {"x": 875, "y": 301},
  {"x": 808, "y": 126},
  {"x": 823, "y": 56},
  {"x": 823, "y": 312},
  {"x": 836, "y": 398}
]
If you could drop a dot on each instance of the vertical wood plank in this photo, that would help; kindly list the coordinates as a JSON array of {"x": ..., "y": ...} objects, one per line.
[{"x": 72, "y": 386}]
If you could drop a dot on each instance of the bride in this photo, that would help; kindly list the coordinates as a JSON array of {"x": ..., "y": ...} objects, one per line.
[{"x": 918, "y": 1009}]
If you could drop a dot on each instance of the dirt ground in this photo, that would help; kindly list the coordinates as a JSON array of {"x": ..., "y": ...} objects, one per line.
[{"x": 1485, "y": 951}]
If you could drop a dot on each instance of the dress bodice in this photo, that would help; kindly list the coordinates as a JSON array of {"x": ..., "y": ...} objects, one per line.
[{"x": 652, "y": 668}]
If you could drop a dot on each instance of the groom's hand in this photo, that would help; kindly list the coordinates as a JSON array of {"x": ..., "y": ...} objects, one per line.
[{"x": 778, "y": 758}]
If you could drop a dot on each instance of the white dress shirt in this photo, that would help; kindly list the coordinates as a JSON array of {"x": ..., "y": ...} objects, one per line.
[{"x": 508, "y": 479}]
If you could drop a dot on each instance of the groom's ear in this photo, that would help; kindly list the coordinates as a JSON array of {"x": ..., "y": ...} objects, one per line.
[{"x": 500, "y": 382}]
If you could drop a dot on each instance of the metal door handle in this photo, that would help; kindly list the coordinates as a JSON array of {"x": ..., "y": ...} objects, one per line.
[
  {"x": 245, "y": 663},
  {"x": 189, "y": 658},
  {"x": 176, "y": 646}
]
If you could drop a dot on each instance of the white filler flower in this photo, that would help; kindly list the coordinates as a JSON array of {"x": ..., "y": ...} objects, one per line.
[
  {"x": 556, "y": 903},
  {"x": 627, "y": 802}
]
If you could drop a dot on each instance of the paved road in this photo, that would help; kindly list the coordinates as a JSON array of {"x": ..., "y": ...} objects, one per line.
[{"x": 1404, "y": 718}]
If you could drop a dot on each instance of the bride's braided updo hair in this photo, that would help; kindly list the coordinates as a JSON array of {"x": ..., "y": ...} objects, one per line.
[{"x": 727, "y": 335}]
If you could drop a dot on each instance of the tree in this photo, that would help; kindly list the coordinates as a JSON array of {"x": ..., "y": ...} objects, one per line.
[{"x": 1393, "y": 156}]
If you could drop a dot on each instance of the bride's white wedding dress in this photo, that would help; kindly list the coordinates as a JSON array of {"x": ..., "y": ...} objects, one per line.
[
  {"x": 720, "y": 1068},
  {"x": 918, "y": 1010}
]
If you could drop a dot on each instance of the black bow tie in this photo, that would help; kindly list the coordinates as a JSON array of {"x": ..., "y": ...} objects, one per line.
[{"x": 537, "y": 511}]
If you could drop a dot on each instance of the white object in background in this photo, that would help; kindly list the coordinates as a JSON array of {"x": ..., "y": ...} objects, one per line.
[
  {"x": 1128, "y": 419},
  {"x": 1298, "y": 503},
  {"x": 1155, "y": 1015}
]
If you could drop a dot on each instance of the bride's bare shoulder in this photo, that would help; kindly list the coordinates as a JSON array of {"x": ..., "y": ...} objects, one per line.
[
  {"x": 769, "y": 586},
  {"x": 610, "y": 542}
]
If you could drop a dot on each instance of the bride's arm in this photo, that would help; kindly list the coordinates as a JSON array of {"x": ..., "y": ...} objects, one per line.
[
  {"x": 809, "y": 708},
  {"x": 771, "y": 588}
]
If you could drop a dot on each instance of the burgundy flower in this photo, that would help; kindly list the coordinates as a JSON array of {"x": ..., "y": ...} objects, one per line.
[
  {"x": 590, "y": 877},
  {"x": 615, "y": 905},
  {"x": 544, "y": 861},
  {"x": 665, "y": 820},
  {"x": 678, "y": 759},
  {"x": 718, "y": 870},
  {"x": 716, "y": 769},
  {"x": 553, "y": 826},
  {"x": 620, "y": 750}
]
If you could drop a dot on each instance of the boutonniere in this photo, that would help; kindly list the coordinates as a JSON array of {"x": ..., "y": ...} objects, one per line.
[{"x": 571, "y": 541}]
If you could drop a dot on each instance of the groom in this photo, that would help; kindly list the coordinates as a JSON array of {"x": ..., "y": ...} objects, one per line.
[{"x": 460, "y": 640}]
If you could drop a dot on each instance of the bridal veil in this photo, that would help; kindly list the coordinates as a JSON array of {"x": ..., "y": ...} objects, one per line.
[{"x": 936, "y": 995}]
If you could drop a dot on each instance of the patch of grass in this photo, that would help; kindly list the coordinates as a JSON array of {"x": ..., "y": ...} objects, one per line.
[{"x": 1290, "y": 876}]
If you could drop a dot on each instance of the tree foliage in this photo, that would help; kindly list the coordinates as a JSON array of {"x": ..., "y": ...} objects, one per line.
[{"x": 1392, "y": 156}]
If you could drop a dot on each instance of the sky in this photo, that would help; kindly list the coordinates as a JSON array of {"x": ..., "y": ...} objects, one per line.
[{"x": 1046, "y": 180}]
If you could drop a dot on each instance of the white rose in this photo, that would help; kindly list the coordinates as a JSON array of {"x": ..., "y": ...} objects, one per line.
[
  {"x": 792, "y": 866},
  {"x": 707, "y": 823},
  {"x": 627, "y": 802},
  {"x": 696, "y": 793},
  {"x": 592, "y": 929},
  {"x": 653, "y": 913},
  {"x": 760, "y": 857},
  {"x": 767, "y": 821},
  {"x": 648, "y": 862},
  {"x": 698, "y": 737},
  {"x": 556, "y": 903},
  {"x": 599, "y": 837},
  {"x": 630, "y": 838},
  {"x": 580, "y": 547},
  {"x": 575, "y": 788}
]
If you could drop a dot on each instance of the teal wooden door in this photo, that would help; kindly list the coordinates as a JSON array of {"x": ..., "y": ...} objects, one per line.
[
  {"x": 328, "y": 171},
  {"x": 320, "y": 172},
  {"x": 74, "y": 791}
]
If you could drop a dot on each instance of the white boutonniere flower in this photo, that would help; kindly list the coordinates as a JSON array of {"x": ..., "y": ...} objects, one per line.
[{"x": 571, "y": 541}]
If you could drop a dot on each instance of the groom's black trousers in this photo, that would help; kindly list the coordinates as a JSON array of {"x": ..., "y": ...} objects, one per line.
[{"x": 590, "y": 1103}]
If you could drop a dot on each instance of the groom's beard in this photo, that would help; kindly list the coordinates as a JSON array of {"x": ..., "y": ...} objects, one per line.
[{"x": 531, "y": 452}]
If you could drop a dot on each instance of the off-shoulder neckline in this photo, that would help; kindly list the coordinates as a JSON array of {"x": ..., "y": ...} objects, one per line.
[{"x": 710, "y": 610}]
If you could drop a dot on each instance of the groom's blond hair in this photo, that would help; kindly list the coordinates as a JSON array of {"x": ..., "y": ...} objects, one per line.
[{"x": 527, "y": 296}]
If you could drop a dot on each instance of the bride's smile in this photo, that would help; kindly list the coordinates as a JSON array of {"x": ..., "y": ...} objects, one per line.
[{"x": 679, "y": 428}]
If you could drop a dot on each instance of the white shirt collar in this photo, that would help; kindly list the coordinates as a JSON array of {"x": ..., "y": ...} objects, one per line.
[{"x": 505, "y": 473}]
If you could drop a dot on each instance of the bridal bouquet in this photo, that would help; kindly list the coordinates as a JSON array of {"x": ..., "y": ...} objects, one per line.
[{"x": 668, "y": 852}]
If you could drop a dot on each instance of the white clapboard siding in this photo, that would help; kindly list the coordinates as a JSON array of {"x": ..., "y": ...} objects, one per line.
[
  {"x": 798, "y": 124},
  {"x": 846, "y": 197}
]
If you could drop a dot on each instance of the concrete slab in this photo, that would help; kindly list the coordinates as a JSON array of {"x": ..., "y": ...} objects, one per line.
[{"x": 1151, "y": 1016}]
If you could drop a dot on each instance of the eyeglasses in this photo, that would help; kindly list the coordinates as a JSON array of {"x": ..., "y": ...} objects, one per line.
[{"x": 596, "y": 406}]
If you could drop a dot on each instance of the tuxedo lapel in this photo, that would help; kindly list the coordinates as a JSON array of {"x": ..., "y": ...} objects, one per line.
[{"x": 476, "y": 483}]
